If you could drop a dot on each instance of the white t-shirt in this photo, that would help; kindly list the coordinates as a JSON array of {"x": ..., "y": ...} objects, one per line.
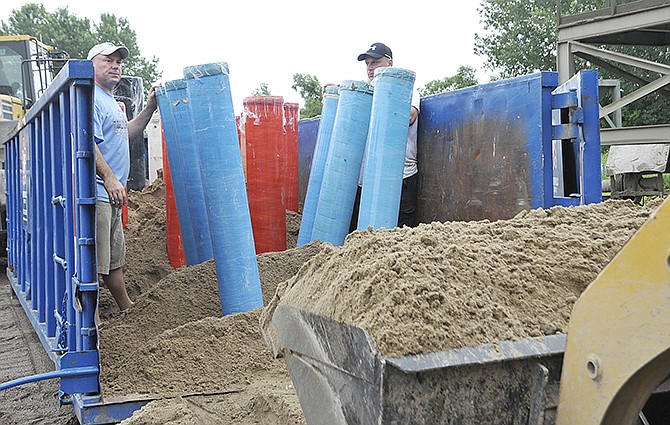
[{"x": 411, "y": 167}]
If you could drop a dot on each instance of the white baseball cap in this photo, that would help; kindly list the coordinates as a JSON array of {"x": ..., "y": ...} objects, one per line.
[{"x": 106, "y": 49}]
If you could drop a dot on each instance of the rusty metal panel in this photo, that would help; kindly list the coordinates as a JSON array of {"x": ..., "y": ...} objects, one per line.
[{"x": 480, "y": 149}]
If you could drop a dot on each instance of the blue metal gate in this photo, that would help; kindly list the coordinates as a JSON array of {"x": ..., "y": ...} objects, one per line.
[{"x": 50, "y": 174}]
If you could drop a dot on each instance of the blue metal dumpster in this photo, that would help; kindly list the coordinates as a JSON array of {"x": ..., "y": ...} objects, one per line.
[
  {"x": 50, "y": 174},
  {"x": 492, "y": 150}
]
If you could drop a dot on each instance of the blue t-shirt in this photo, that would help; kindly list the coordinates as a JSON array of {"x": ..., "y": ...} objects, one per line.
[{"x": 110, "y": 128}]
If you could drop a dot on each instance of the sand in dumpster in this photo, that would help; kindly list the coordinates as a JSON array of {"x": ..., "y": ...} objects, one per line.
[
  {"x": 174, "y": 344},
  {"x": 461, "y": 284},
  {"x": 146, "y": 253},
  {"x": 434, "y": 287}
]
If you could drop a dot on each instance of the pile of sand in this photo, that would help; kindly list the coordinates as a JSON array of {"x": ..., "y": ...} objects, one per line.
[
  {"x": 426, "y": 289},
  {"x": 174, "y": 345},
  {"x": 458, "y": 284},
  {"x": 146, "y": 253}
]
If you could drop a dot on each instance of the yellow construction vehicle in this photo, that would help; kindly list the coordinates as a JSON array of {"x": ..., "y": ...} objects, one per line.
[
  {"x": 27, "y": 66},
  {"x": 618, "y": 349}
]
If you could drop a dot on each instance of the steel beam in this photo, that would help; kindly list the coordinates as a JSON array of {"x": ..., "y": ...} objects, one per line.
[
  {"x": 651, "y": 134},
  {"x": 615, "y": 24}
]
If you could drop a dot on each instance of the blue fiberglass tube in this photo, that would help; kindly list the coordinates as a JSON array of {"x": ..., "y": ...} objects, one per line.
[
  {"x": 222, "y": 176},
  {"x": 176, "y": 170},
  {"x": 186, "y": 150},
  {"x": 385, "y": 154},
  {"x": 330, "y": 99},
  {"x": 343, "y": 164}
]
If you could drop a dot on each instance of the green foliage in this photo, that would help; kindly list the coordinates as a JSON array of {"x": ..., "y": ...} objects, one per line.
[
  {"x": 262, "y": 90},
  {"x": 521, "y": 36},
  {"x": 76, "y": 36},
  {"x": 311, "y": 91},
  {"x": 465, "y": 77}
]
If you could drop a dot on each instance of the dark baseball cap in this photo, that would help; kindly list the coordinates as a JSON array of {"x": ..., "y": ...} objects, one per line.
[{"x": 377, "y": 50}]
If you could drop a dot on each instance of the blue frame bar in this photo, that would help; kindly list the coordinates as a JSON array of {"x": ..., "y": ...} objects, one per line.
[{"x": 579, "y": 96}]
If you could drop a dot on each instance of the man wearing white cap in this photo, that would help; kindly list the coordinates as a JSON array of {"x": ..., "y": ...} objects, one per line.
[{"x": 112, "y": 131}]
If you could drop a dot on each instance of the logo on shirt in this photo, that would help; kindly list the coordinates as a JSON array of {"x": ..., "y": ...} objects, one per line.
[{"x": 120, "y": 123}]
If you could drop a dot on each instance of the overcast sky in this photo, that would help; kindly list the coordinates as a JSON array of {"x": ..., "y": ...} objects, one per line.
[{"x": 267, "y": 41}]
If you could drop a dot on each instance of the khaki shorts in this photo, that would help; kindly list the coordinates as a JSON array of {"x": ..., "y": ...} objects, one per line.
[{"x": 110, "y": 243}]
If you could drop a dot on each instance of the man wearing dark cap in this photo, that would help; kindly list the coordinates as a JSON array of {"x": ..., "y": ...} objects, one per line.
[
  {"x": 380, "y": 55},
  {"x": 111, "y": 131}
]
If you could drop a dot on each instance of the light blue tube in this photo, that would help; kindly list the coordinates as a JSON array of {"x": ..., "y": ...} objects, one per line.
[
  {"x": 222, "y": 177},
  {"x": 330, "y": 100},
  {"x": 343, "y": 164},
  {"x": 176, "y": 171},
  {"x": 176, "y": 100},
  {"x": 386, "y": 145}
]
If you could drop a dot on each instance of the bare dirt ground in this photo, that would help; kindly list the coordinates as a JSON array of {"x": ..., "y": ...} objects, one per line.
[{"x": 21, "y": 355}]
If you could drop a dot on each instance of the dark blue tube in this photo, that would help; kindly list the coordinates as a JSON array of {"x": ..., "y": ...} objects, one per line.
[
  {"x": 184, "y": 151},
  {"x": 188, "y": 153},
  {"x": 385, "y": 155},
  {"x": 222, "y": 175},
  {"x": 343, "y": 164},
  {"x": 330, "y": 100},
  {"x": 169, "y": 97}
]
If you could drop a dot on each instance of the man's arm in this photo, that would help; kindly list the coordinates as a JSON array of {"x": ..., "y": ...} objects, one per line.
[
  {"x": 114, "y": 188},
  {"x": 413, "y": 115},
  {"x": 137, "y": 125}
]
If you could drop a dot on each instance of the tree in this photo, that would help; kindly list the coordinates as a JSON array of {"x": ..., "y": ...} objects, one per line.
[
  {"x": 76, "y": 36},
  {"x": 465, "y": 77},
  {"x": 262, "y": 90},
  {"x": 311, "y": 91},
  {"x": 521, "y": 38}
]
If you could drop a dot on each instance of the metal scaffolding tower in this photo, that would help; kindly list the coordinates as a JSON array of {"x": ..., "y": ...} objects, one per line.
[{"x": 638, "y": 155}]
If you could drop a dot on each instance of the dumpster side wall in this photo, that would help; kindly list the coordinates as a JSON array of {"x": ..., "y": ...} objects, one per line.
[{"x": 50, "y": 173}]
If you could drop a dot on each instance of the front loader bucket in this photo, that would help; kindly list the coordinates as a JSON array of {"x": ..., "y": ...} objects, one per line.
[{"x": 340, "y": 378}]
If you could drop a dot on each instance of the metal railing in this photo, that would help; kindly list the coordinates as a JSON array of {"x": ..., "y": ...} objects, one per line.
[{"x": 50, "y": 172}]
